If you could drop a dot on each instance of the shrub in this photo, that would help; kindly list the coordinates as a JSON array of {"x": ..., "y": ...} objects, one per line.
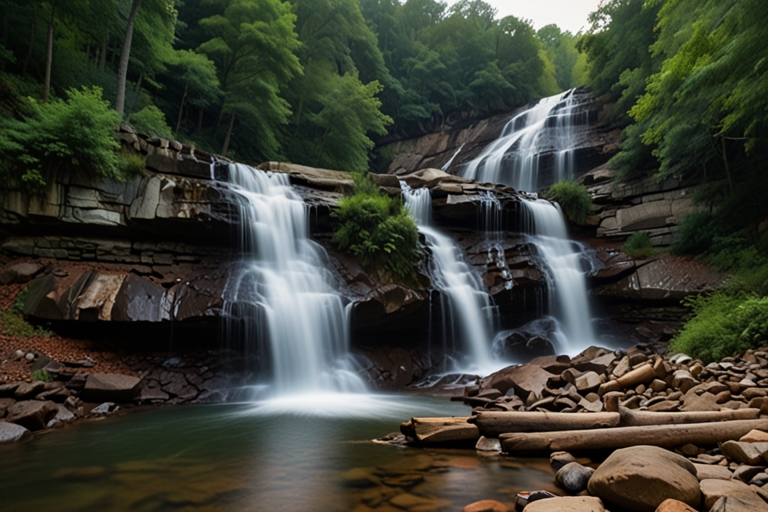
[
  {"x": 42, "y": 375},
  {"x": 130, "y": 163},
  {"x": 378, "y": 230},
  {"x": 723, "y": 325},
  {"x": 76, "y": 134},
  {"x": 574, "y": 200},
  {"x": 638, "y": 245},
  {"x": 695, "y": 234},
  {"x": 151, "y": 121},
  {"x": 15, "y": 325}
]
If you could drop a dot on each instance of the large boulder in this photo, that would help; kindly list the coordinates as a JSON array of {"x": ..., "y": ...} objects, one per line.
[
  {"x": 642, "y": 477},
  {"x": 567, "y": 504},
  {"x": 525, "y": 379},
  {"x": 32, "y": 414},
  {"x": 11, "y": 433},
  {"x": 109, "y": 387},
  {"x": 19, "y": 272}
]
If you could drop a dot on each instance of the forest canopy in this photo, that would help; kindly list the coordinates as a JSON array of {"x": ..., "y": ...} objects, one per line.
[{"x": 309, "y": 81}]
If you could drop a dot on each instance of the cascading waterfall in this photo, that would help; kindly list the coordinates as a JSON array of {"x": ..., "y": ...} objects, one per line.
[
  {"x": 567, "y": 288},
  {"x": 546, "y": 129},
  {"x": 285, "y": 279},
  {"x": 466, "y": 305}
]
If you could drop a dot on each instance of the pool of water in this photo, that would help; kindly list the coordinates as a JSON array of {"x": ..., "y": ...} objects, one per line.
[{"x": 242, "y": 457}]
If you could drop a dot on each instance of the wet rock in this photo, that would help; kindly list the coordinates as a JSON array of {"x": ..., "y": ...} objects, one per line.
[
  {"x": 28, "y": 390},
  {"x": 485, "y": 444},
  {"x": 106, "y": 387},
  {"x": 573, "y": 477},
  {"x": 105, "y": 408},
  {"x": 642, "y": 477},
  {"x": 62, "y": 416},
  {"x": 11, "y": 432},
  {"x": 557, "y": 460},
  {"x": 525, "y": 380},
  {"x": 32, "y": 414},
  {"x": 567, "y": 504}
]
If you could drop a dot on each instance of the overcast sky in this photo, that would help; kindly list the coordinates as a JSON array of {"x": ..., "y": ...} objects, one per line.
[{"x": 567, "y": 14}]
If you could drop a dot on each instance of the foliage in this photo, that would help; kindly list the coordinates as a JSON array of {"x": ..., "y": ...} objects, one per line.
[
  {"x": 151, "y": 121},
  {"x": 574, "y": 200},
  {"x": 378, "y": 230},
  {"x": 638, "y": 245},
  {"x": 570, "y": 66},
  {"x": 76, "y": 134},
  {"x": 723, "y": 325},
  {"x": 18, "y": 305},
  {"x": 130, "y": 163},
  {"x": 42, "y": 375},
  {"x": 14, "y": 324}
]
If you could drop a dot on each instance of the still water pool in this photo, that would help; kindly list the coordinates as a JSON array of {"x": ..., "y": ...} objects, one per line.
[{"x": 242, "y": 457}]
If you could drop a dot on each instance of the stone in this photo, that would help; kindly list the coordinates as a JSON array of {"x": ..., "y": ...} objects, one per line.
[
  {"x": 588, "y": 382},
  {"x": 745, "y": 472},
  {"x": 104, "y": 408},
  {"x": 486, "y": 506},
  {"x": 745, "y": 453},
  {"x": 755, "y": 436},
  {"x": 11, "y": 433},
  {"x": 671, "y": 505},
  {"x": 573, "y": 477},
  {"x": 485, "y": 444},
  {"x": 712, "y": 472},
  {"x": 525, "y": 380},
  {"x": 28, "y": 390},
  {"x": 683, "y": 380},
  {"x": 642, "y": 477},
  {"x": 108, "y": 387},
  {"x": 740, "y": 503},
  {"x": 19, "y": 273},
  {"x": 713, "y": 490},
  {"x": 567, "y": 504},
  {"x": 62, "y": 416},
  {"x": 559, "y": 459},
  {"x": 32, "y": 414}
]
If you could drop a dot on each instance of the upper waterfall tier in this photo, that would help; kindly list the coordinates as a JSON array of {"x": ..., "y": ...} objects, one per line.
[{"x": 545, "y": 130}]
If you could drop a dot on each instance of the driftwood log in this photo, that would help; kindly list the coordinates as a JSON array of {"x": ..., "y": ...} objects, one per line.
[
  {"x": 632, "y": 418},
  {"x": 440, "y": 430},
  {"x": 665, "y": 436},
  {"x": 493, "y": 424}
]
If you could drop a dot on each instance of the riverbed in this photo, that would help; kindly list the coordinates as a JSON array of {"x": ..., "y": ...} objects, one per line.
[{"x": 249, "y": 457}]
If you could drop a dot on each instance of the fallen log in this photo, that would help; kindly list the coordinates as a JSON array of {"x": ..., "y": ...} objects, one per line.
[
  {"x": 440, "y": 430},
  {"x": 664, "y": 436},
  {"x": 492, "y": 423},
  {"x": 632, "y": 418}
]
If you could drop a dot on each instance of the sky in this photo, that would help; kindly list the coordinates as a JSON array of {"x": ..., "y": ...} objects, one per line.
[{"x": 569, "y": 15}]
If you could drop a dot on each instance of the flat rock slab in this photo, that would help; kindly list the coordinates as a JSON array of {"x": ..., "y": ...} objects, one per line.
[
  {"x": 642, "y": 477},
  {"x": 745, "y": 453},
  {"x": 110, "y": 387},
  {"x": 735, "y": 491},
  {"x": 755, "y": 436},
  {"x": 712, "y": 472},
  {"x": 32, "y": 414},
  {"x": 567, "y": 504},
  {"x": 11, "y": 433}
]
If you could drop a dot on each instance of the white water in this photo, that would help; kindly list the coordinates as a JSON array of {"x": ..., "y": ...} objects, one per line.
[
  {"x": 567, "y": 288},
  {"x": 548, "y": 127},
  {"x": 470, "y": 313},
  {"x": 450, "y": 161},
  {"x": 284, "y": 277}
]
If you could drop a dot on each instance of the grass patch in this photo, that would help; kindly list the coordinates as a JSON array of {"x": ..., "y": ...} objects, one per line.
[
  {"x": 639, "y": 246},
  {"x": 42, "y": 375},
  {"x": 14, "y": 324},
  {"x": 573, "y": 198}
]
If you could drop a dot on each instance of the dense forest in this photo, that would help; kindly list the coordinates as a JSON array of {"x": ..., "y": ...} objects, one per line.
[{"x": 309, "y": 81}]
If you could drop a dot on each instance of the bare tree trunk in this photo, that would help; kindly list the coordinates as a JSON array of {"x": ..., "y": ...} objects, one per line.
[
  {"x": 28, "y": 58},
  {"x": 122, "y": 69},
  {"x": 103, "y": 55},
  {"x": 181, "y": 109},
  {"x": 229, "y": 134},
  {"x": 49, "y": 56},
  {"x": 727, "y": 167}
]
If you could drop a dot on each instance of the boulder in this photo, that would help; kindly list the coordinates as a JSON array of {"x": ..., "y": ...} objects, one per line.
[
  {"x": 19, "y": 273},
  {"x": 28, "y": 390},
  {"x": 714, "y": 490},
  {"x": 11, "y": 433},
  {"x": 745, "y": 453},
  {"x": 524, "y": 380},
  {"x": 642, "y": 477},
  {"x": 62, "y": 416},
  {"x": 712, "y": 472},
  {"x": 32, "y": 414},
  {"x": 567, "y": 504},
  {"x": 674, "y": 506},
  {"x": 573, "y": 477},
  {"x": 106, "y": 387},
  {"x": 486, "y": 506},
  {"x": 740, "y": 503}
]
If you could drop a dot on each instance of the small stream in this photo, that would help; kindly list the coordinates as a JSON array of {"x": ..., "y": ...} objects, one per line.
[{"x": 238, "y": 457}]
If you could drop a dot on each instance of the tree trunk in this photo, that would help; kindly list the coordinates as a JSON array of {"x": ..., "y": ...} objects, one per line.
[
  {"x": 229, "y": 134},
  {"x": 103, "y": 55},
  {"x": 200, "y": 120},
  {"x": 727, "y": 167},
  {"x": 441, "y": 430},
  {"x": 664, "y": 436},
  {"x": 122, "y": 69},
  {"x": 49, "y": 55},
  {"x": 492, "y": 424},
  {"x": 181, "y": 109},
  {"x": 631, "y": 418},
  {"x": 28, "y": 58},
  {"x": 136, "y": 93}
]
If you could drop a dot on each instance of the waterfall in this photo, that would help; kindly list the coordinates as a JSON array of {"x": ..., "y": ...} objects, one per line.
[
  {"x": 285, "y": 279},
  {"x": 466, "y": 305},
  {"x": 566, "y": 285},
  {"x": 450, "y": 161},
  {"x": 545, "y": 129}
]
